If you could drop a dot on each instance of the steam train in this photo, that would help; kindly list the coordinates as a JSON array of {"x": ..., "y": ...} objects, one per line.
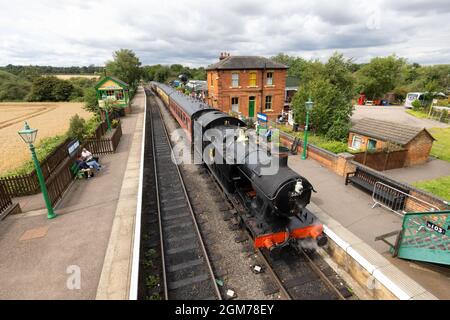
[{"x": 275, "y": 203}]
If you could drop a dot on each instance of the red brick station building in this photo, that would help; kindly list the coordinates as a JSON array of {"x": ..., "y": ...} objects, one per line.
[{"x": 247, "y": 85}]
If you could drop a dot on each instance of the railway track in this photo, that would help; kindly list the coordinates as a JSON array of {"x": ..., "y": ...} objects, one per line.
[
  {"x": 298, "y": 274},
  {"x": 186, "y": 269}
]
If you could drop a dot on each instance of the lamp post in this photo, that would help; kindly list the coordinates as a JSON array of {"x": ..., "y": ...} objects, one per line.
[
  {"x": 107, "y": 106},
  {"x": 29, "y": 136},
  {"x": 309, "y": 105}
]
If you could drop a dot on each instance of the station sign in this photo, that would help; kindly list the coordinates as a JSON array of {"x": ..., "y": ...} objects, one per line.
[
  {"x": 262, "y": 117},
  {"x": 73, "y": 147}
]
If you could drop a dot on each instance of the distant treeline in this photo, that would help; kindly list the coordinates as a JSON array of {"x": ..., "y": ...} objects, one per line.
[{"x": 30, "y": 72}]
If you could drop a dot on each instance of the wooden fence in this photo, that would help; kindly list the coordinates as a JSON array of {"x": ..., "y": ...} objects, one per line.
[
  {"x": 58, "y": 183},
  {"x": 5, "y": 200},
  {"x": 61, "y": 179},
  {"x": 28, "y": 184},
  {"x": 382, "y": 160},
  {"x": 105, "y": 145}
]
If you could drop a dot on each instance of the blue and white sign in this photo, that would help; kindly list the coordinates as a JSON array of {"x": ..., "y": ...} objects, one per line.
[
  {"x": 262, "y": 117},
  {"x": 73, "y": 147}
]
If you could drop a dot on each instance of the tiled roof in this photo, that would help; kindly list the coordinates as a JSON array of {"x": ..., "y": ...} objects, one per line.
[
  {"x": 246, "y": 62},
  {"x": 387, "y": 130}
]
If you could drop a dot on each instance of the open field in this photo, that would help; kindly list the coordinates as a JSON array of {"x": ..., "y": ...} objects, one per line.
[
  {"x": 69, "y": 76},
  {"x": 50, "y": 118}
]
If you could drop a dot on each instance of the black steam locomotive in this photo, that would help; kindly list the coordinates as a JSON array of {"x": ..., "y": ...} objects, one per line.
[{"x": 275, "y": 197}]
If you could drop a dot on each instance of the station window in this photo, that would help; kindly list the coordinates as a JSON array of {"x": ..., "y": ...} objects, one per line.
[
  {"x": 235, "y": 104},
  {"x": 235, "y": 79},
  {"x": 268, "y": 102},
  {"x": 119, "y": 95},
  {"x": 252, "y": 79},
  {"x": 110, "y": 93},
  {"x": 269, "y": 78},
  {"x": 356, "y": 142}
]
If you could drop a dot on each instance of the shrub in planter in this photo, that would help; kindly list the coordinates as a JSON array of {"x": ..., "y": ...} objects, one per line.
[{"x": 114, "y": 123}]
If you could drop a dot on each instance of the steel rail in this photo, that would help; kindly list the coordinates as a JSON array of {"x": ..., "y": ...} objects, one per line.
[{"x": 194, "y": 219}]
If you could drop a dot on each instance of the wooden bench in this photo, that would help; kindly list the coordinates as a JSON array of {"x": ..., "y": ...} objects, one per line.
[
  {"x": 366, "y": 181},
  {"x": 76, "y": 171},
  {"x": 362, "y": 179}
]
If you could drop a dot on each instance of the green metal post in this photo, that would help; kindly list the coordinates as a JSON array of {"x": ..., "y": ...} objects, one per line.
[
  {"x": 50, "y": 213},
  {"x": 305, "y": 137},
  {"x": 107, "y": 120}
]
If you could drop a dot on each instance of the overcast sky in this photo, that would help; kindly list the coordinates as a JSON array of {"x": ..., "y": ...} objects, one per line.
[{"x": 194, "y": 32}]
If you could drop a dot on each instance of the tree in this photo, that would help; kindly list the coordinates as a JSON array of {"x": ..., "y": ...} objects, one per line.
[
  {"x": 331, "y": 87},
  {"x": 77, "y": 127},
  {"x": 62, "y": 90},
  {"x": 380, "y": 76},
  {"x": 162, "y": 74},
  {"x": 125, "y": 66},
  {"x": 91, "y": 101},
  {"x": 42, "y": 89}
]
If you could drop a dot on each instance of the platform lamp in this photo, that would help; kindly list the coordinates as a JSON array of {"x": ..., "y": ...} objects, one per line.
[
  {"x": 29, "y": 136},
  {"x": 309, "y": 106}
]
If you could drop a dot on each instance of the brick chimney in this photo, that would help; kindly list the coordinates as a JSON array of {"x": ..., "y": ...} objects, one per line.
[{"x": 223, "y": 55}]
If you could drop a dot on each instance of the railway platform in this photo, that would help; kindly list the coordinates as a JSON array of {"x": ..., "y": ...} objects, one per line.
[
  {"x": 348, "y": 215},
  {"x": 63, "y": 258}
]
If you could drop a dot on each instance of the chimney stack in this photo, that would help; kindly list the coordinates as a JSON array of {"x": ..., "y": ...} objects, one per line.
[{"x": 224, "y": 55}]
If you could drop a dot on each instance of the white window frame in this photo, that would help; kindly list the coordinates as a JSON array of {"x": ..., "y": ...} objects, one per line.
[
  {"x": 270, "y": 103},
  {"x": 235, "y": 82},
  {"x": 353, "y": 142},
  {"x": 235, "y": 107},
  {"x": 269, "y": 83}
]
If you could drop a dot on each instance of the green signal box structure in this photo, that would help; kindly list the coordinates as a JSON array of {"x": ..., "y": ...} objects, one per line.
[{"x": 115, "y": 89}]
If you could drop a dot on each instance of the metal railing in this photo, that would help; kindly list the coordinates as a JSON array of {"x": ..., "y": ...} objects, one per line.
[{"x": 396, "y": 200}]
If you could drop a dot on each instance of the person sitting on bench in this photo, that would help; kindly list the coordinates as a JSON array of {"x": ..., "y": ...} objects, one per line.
[
  {"x": 90, "y": 159},
  {"x": 84, "y": 168}
]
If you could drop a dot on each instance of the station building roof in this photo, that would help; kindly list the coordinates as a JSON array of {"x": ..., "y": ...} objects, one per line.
[
  {"x": 121, "y": 83},
  {"x": 246, "y": 62},
  {"x": 387, "y": 130}
]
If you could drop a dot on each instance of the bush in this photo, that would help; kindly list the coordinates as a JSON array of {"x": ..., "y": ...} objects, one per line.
[
  {"x": 114, "y": 123},
  {"x": 333, "y": 146},
  {"x": 417, "y": 105},
  {"x": 444, "y": 116},
  {"x": 91, "y": 126},
  {"x": 442, "y": 102},
  {"x": 77, "y": 127}
]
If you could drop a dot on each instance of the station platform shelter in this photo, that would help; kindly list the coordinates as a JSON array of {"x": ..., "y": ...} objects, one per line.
[{"x": 111, "y": 87}]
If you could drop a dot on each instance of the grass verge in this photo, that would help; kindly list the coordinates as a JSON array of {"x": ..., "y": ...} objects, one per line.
[
  {"x": 439, "y": 187},
  {"x": 417, "y": 114},
  {"x": 441, "y": 147}
]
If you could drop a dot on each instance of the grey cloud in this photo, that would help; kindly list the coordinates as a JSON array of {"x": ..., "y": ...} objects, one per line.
[{"x": 194, "y": 33}]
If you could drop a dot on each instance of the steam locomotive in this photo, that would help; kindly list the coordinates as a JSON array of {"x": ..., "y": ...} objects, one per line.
[{"x": 274, "y": 196}]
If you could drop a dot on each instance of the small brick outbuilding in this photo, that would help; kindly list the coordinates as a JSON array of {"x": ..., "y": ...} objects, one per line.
[{"x": 372, "y": 135}]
